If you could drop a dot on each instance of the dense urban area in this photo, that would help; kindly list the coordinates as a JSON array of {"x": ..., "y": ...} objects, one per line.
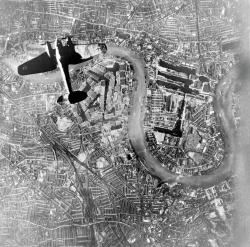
[{"x": 69, "y": 175}]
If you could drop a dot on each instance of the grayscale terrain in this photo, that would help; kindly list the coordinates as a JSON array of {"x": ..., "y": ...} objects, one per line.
[{"x": 156, "y": 154}]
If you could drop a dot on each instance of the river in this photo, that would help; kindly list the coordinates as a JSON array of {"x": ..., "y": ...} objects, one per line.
[
  {"x": 136, "y": 119},
  {"x": 136, "y": 130}
]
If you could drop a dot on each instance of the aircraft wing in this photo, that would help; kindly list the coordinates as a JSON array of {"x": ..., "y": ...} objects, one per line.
[
  {"x": 47, "y": 60},
  {"x": 40, "y": 64}
]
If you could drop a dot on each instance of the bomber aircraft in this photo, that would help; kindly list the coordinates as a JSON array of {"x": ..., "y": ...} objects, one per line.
[{"x": 62, "y": 56}]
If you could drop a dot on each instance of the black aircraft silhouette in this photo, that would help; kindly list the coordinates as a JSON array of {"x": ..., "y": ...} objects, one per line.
[{"x": 62, "y": 57}]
